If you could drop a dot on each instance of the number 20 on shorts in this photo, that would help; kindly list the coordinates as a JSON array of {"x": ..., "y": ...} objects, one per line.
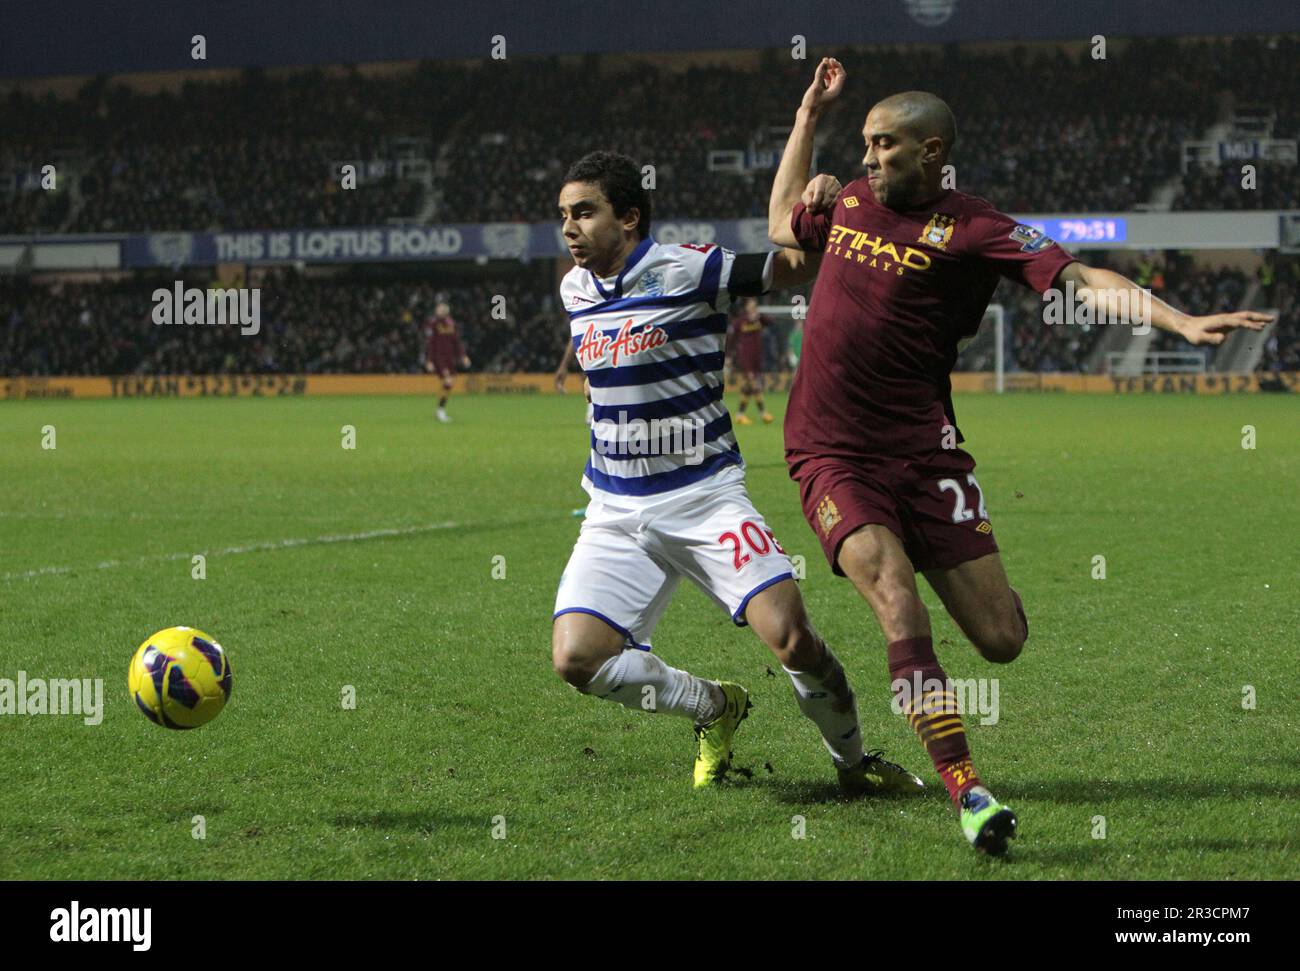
[{"x": 754, "y": 536}]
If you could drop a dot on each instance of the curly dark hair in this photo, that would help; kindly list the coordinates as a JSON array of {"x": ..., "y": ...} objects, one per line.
[{"x": 619, "y": 178}]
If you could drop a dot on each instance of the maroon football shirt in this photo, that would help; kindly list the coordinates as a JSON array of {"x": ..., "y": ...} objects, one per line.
[
  {"x": 895, "y": 293},
  {"x": 443, "y": 346},
  {"x": 747, "y": 342}
]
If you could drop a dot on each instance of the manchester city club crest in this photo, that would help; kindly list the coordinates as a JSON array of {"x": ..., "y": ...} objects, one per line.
[
  {"x": 937, "y": 231},
  {"x": 828, "y": 514}
]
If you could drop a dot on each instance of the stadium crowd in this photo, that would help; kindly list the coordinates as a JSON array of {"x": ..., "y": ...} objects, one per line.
[
  {"x": 330, "y": 324},
  {"x": 1280, "y": 289},
  {"x": 307, "y": 326},
  {"x": 261, "y": 151},
  {"x": 1276, "y": 186}
]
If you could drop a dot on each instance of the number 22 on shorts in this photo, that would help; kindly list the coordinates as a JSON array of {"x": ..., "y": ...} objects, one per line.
[{"x": 960, "y": 513}]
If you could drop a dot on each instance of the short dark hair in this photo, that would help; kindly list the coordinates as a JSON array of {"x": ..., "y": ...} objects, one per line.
[{"x": 619, "y": 178}]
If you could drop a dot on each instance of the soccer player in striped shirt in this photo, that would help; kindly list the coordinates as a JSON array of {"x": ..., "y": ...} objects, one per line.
[
  {"x": 907, "y": 271},
  {"x": 667, "y": 482}
]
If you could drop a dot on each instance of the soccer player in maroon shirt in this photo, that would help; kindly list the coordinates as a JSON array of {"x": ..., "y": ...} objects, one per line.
[
  {"x": 442, "y": 351},
  {"x": 870, "y": 435},
  {"x": 745, "y": 348}
]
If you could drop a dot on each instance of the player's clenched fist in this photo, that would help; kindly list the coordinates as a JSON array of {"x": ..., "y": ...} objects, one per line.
[
  {"x": 821, "y": 193},
  {"x": 827, "y": 84}
]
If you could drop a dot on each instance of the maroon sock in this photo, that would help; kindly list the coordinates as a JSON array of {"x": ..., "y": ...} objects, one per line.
[{"x": 927, "y": 698}]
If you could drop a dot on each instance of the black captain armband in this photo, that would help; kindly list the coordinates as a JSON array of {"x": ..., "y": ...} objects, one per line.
[{"x": 749, "y": 275}]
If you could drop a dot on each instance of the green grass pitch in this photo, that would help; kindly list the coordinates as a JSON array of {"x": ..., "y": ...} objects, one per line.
[{"x": 1127, "y": 703}]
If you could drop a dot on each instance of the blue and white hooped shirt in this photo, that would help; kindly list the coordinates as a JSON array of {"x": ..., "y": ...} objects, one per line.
[{"x": 651, "y": 342}]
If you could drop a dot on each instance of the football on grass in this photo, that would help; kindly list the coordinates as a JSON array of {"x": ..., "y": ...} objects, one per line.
[{"x": 180, "y": 678}]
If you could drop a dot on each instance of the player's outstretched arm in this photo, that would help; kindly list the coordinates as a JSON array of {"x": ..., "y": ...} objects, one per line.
[
  {"x": 792, "y": 174},
  {"x": 794, "y": 267},
  {"x": 1111, "y": 294}
]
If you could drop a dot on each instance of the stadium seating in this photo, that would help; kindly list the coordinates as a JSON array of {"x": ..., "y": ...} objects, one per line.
[
  {"x": 332, "y": 325},
  {"x": 1039, "y": 130},
  {"x": 308, "y": 327}
]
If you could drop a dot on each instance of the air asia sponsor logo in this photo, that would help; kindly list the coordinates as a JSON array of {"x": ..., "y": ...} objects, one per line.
[
  {"x": 55, "y": 696},
  {"x": 131, "y": 924},
  {"x": 219, "y": 306},
  {"x": 874, "y": 251},
  {"x": 628, "y": 343},
  {"x": 635, "y": 438}
]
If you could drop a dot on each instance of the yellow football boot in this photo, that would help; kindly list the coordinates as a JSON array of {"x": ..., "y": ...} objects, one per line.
[{"x": 714, "y": 758}]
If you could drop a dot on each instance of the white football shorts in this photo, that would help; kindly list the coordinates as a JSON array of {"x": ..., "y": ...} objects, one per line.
[{"x": 627, "y": 561}]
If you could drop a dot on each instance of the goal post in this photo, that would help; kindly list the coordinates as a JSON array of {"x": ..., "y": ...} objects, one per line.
[{"x": 999, "y": 345}]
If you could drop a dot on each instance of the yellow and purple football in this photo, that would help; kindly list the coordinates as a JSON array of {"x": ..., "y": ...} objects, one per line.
[{"x": 180, "y": 678}]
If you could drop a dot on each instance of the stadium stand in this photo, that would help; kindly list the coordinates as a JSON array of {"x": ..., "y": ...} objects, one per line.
[
  {"x": 1041, "y": 128},
  {"x": 257, "y": 152},
  {"x": 309, "y": 326},
  {"x": 332, "y": 325}
]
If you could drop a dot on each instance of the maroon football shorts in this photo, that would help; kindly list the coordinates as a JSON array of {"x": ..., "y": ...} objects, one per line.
[
  {"x": 932, "y": 503},
  {"x": 750, "y": 359}
]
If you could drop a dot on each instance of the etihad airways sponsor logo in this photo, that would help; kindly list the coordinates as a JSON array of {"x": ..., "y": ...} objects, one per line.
[{"x": 874, "y": 251}]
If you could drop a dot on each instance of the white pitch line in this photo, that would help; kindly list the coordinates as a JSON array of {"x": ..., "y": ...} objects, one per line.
[{"x": 280, "y": 544}]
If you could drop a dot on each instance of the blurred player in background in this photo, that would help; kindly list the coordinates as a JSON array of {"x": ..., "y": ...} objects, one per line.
[
  {"x": 746, "y": 352},
  {"x": 667, "y": 482},
  {"x": 908, "y": 269},
  {"x": 794, "y": 346},
  {"x": 443, "y": 350},
  {"x": 562, "y": 371}
]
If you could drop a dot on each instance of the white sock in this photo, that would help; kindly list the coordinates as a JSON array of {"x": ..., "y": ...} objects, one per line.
[
  {"x": 639, "y": 680},
  {"x": 824, "y": 696}
]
